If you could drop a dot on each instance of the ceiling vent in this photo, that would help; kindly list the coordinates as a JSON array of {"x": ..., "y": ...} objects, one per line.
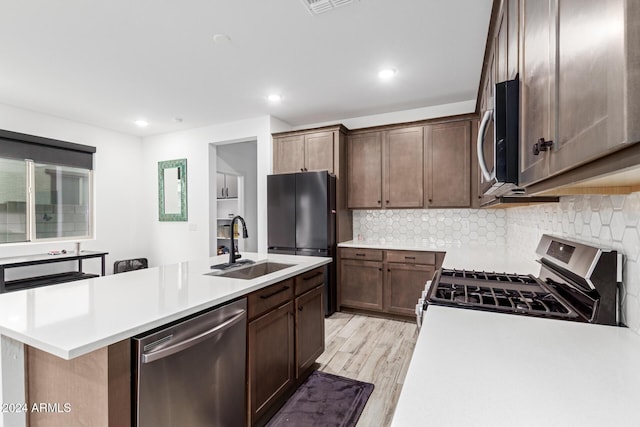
[{"x": 320, "y": 6}]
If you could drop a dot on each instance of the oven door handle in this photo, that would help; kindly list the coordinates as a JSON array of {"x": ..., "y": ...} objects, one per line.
[{"x": 488, "y": 176}]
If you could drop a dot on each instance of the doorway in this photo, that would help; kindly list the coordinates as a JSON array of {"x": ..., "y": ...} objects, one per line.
[{"x": 235, "y": 159}]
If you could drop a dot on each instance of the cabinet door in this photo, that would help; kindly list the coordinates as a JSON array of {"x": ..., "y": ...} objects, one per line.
[
  {"x": 537, "y": 69},
  {"x": 288, "y": 154},
  {"x": 403, "y": 168},
  {"x": 220, "y": 186},
  {"x": 590, "y": 81},
  {"x": 231, "y": 182},
  {"x": 309, "y": 329},
  {"x": 319, "y": 151},
  {"x": 361, "y": 284},
  {"x": 270, "y": 350},
  {"x": 448, "y": 164},
  {"x": 513, "y": 28},
  {"x": 404, "y": 284},
  {"x": 364, "y": 172}
]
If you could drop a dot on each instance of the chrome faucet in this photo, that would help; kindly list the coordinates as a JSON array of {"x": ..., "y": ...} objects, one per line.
[{"x": 232, "y": 250}]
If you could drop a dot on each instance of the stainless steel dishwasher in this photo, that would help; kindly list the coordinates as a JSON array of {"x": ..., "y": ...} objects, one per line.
[{"x": 192, "y": 373}]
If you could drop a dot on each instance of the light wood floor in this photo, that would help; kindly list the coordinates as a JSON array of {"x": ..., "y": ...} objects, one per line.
[{"x": 373, "y": 350}]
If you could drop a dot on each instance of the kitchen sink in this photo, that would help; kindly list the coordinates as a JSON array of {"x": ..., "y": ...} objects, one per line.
[{"x": 251, "y": 271}]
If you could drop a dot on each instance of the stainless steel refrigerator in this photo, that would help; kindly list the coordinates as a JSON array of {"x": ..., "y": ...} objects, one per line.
[{"x": 301, "y": 212}]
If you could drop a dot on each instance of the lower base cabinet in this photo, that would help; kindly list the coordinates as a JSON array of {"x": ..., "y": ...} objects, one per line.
[
  {"x": 285, "y": 336},
  {"x": 309, "y": 310},
  {"x": 270, "y": 359},
  {"x": 404, "y": 284},
  {"x": 385, "y": 281}
]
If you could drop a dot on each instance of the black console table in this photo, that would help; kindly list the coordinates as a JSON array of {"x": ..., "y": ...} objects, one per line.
[{"x": 49, "y": 279}]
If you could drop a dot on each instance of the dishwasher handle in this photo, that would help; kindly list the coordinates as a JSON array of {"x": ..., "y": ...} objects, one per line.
[{"x": 190, "y": 342}]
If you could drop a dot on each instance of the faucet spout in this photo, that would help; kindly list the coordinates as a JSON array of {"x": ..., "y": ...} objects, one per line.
[{"x": 233, "y": 256}]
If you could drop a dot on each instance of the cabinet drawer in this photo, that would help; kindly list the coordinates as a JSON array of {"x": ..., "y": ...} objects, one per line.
[
  {"x": 361, "y": 254},
  {"x": 309, "y": 280},
  {"x": 411, "y": 257},
  {"x": 270, "y": 297}
]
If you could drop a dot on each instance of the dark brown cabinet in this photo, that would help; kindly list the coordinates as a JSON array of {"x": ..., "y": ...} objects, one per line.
[
  {"x": 576, "y": 99},
  {"x": 448, "y": 164},
  {"x": 597, "y": 87},
  {"x": 384, "y": 281},
  {"x": 304, "y": 152},
  {"x": 385, "y": 169},
  {"x": 403, "y": 286},
  {"x": 364, "y": 170},
  {"x": 403, "y": 168},
  {"x": 270, "y": 371},
  {"x": 309, "y": 310},
  {"x": 285, "y": 336},
  {"x": 361, "y": 284},
  {"x": 537, "y": 92}
]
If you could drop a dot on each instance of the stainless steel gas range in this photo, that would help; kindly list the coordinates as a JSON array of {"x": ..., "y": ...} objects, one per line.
[{"x": 577, "y": 282}]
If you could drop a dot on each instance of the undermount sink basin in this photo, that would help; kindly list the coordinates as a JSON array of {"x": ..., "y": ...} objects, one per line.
[{"x": 251, "y": 271}]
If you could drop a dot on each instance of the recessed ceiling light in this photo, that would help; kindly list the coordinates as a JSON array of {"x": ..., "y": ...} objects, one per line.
[
  {"x": 387, "y": 73},
  {"x": 141, "y": 123},
  {"x": 221, "y": 39},
  {"x": 274, "y": 97}
]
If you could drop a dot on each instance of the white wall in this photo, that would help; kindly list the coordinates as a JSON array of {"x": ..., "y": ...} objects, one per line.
[
  {"x": 173, "y": 242},
  {"x": 117, "y": 174}
]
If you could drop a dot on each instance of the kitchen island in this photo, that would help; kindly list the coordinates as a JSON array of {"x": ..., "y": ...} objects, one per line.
[{"x": 87, "y": 324}]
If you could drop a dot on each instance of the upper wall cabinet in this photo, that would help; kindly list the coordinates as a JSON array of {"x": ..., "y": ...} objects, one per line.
[
  {"x": 364, "y": 170},
  {"x": 304, "y": 152},
  {"x": 537, "y": 96},
  {"x": 385, "y": 169},
  {"x": 580, "y": 73},
  {"x": 598, "y": 82},
  {"x": 448, "y": 164}
]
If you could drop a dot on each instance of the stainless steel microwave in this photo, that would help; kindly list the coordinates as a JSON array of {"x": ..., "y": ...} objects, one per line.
[{"x": 503, "y": 178}]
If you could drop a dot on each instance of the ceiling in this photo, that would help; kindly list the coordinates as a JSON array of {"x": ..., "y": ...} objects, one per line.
[{"x": 108, "y": 63}]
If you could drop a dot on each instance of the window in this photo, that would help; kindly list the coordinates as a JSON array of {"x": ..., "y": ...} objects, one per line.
[
  {"x": 46, "y": 189},
  {"x": 13, "y": 201}
]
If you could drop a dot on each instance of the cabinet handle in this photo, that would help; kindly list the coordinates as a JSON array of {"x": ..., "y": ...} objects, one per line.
[
  {"x": 300, "y": 308},
  {"x": 301, "y": 169},
  {"x": 274, "y": 293},
  {"x": 380, "y": 269},
  {"x": 388, "y": 270},
  {"x": 387, "y": 202},
  {"x": 409, "y": 257},
  {"x": 541, "y": 145},
  {"x": 319, "y": 273},
  {"x": 379, "y": 201},
  {"x": 430, "y": 200},
  {"x": 361, "y": 254}
]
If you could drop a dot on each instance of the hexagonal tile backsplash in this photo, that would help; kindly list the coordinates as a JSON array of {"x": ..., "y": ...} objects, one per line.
[{"x": 608, "y": 221}]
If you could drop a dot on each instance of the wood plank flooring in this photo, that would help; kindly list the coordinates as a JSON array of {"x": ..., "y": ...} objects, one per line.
[{"x": 373, "y": 350}]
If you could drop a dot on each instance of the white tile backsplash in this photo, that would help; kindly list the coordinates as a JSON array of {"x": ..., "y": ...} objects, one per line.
[
  {"x": 608, "y": 221},
  {"x": 430, "y": 225}
]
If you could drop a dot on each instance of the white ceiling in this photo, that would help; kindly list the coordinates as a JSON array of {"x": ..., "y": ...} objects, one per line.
[{"x": 110, "y": 62}]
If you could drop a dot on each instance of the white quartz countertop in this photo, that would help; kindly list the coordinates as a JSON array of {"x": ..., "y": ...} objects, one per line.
[
  {"x": 475, "y": 368},
  {"x": 475, "y": 256},
  {"x": 72, "y": 319}
]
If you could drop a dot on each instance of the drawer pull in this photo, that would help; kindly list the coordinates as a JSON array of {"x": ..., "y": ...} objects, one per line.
[
  {"x": 361, "y": 254},
  {"x": 313, "y": 276},
  {"x": 409, "y": 257},
  {"x": 284, "y": 288}
]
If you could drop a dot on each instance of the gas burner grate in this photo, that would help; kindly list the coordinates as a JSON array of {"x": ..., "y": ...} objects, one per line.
[
  {"x": 538, "y": 302},
  {"x": 489, "y": 276}
]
